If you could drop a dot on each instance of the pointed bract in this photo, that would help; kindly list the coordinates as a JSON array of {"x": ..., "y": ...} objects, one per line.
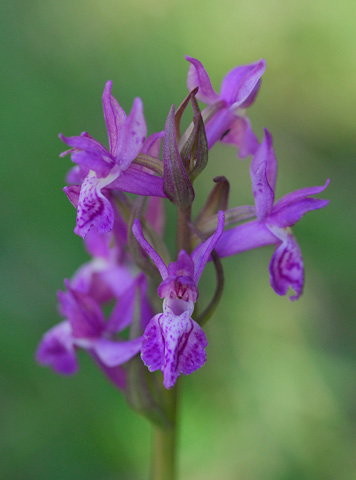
[{"x": 176, "y": 184}]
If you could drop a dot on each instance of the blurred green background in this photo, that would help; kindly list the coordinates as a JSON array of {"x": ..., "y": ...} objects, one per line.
[{"x": 276, "y": 399}]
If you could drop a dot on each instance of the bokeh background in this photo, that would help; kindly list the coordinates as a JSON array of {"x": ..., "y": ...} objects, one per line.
[{"x": 276, "y": 399}]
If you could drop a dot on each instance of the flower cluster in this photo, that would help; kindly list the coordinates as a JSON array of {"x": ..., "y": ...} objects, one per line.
[{"x": 131, "y": 265}]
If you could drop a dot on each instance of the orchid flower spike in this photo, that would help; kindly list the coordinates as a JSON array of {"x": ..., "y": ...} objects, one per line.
[
  {"x": 273, "y": 223},
  {"x": 224, "y": 117},
  {"x": 172, "y": 341}
]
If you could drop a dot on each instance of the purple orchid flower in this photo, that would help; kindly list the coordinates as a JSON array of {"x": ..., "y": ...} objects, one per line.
[
  {"x": 85, "y": 327},
  {"x": 173, "y": 342},
  {"x": 224, "y": 118},
  {"x": 273, "y": 223},
  {"x": 101, "y": 170}
]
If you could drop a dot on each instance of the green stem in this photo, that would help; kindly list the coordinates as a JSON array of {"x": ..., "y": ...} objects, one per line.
[
  {"x": 165, "y": 441},
  {"x": 184, "y": 233}
]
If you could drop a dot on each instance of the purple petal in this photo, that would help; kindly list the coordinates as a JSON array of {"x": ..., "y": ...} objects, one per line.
[
  {"x": 184, "y": 266},
  {"x": 244, "y": 237},
  {"x": 132, "y": 136},
  {"x": 240, "y": 86},
  {"x": 116, "y": 353},
  {"x": 151, "y": 252},
  {"x": 152, "y": 350},
  {"x": 136, "y": 180},
  {"x": 88, "y": 280},
  {"x": 197, "y": 77},
  {"x": 76, "y": 175},
  {"x": 73, "y": 193},
  {"x": 98, "y": 245},
  {"x": 101, "y": 164},
  {"x": 297, "y": 195},
  {"x": 202, "y": 253},
  {"x": 94, "y": 209},
  {"x": 240, "y": 134},
  {"x": 173, "y": 344},
  {"x": 290, "y": 214},
  {"x": 286, "y": 267},
  {"x": 191, "y": 349},
  {"x": 57, "y": 351},
  {"x": 123, "y": 312},
  {"x": 102, "y": 280},
  {"x": 219, "y": 126},
  {"x": 152, "y": 145},
  {"x": 83, "y": 313},
  {"x": 263, "y": 174},
  {"x": 84, "y": 142},
  {"x": 180, "y": 282},
  {"x": 114, "y": 117},
  {"x": 115, "y": 277}
]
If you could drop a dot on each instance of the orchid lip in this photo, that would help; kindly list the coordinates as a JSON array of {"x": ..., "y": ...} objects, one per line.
[{"x": 178, "y": 306}]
